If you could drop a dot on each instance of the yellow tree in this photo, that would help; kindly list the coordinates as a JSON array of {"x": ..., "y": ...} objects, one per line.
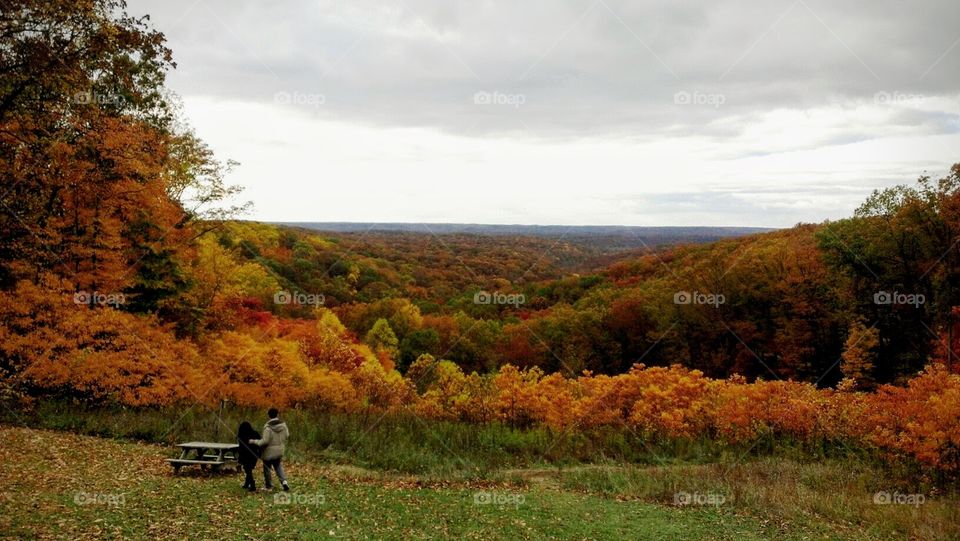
[{"x": 859, "y": 354}]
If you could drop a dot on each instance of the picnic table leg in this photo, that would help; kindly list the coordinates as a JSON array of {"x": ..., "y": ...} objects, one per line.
[
  {"x": 219, "y": 459},
  {"x": 183, "y": 455}
]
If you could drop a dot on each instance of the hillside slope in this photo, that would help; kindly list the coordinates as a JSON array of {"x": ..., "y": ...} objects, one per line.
[{"x": 88, "y": 488}]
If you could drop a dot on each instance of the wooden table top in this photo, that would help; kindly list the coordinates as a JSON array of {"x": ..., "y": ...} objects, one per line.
[{"x": 208, "y": 445}]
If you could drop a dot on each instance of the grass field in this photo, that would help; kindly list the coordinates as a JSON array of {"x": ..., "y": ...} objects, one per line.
[{"x": 62, "y": 485}]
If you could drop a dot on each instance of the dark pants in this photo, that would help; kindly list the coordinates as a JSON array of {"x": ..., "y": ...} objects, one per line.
[
  {"x": 275, "y": 464},
  {"x": 249, "y": 482}
]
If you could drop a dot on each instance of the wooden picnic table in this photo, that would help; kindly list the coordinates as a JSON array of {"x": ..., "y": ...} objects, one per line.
[{"x": 206, "y": 454}]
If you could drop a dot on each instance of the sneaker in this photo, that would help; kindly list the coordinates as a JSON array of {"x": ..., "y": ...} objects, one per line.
[{"x": 286, "y": 487}]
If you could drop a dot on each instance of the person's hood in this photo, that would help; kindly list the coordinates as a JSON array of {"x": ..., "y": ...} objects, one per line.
[
  {"x": 276, "y": 425},
  {"x": 247, "y": 432}
]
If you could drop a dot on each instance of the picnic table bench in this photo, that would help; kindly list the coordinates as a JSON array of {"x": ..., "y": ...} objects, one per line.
[{"x": 206, "y": 454}]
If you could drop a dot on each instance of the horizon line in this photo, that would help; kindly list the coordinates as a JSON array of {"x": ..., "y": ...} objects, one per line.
[{"x": 772, "y": 228}]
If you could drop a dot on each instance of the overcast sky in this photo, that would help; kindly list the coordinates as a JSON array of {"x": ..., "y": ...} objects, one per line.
[{"x": 568, "y": 112}]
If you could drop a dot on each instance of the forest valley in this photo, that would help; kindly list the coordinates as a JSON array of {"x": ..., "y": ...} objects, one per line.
[{"x": 126, "y": 277}]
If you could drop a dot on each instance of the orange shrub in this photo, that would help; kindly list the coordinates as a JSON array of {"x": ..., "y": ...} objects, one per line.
[
  {"x": 51, "y": 345},
  {"x": 921, "y": 420}
]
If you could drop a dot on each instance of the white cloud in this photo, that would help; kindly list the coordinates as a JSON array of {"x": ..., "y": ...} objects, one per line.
[{"x": 791, "y": 115}]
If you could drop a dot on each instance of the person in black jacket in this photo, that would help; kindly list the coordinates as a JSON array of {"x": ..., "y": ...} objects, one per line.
[{"x": 248, "y": 454}]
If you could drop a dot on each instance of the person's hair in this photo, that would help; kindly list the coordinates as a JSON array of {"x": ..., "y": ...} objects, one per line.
[
  {"x": 273, "y": 413},
  {"x": 245, "y": 429}
]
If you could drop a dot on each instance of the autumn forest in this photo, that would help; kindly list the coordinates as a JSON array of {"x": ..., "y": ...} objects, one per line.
[{"x": 129, "y": 277}]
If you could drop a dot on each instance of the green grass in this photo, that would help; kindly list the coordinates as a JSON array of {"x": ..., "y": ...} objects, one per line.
[
  {"x": 61, "y": 475},
  {"x": 407, "y": 444},
  {"x": 398, "y": 476},
  {"x": 836, "y": 492}
]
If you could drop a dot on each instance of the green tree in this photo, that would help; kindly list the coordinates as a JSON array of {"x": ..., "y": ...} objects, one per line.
[
  {"x": 901, "y": 241},
  {"x": 417, "y": 343},
  {"x": 381, "y": 338}
]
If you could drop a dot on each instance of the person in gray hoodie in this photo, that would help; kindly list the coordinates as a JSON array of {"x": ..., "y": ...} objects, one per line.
[{"x": 272, "y": 444}]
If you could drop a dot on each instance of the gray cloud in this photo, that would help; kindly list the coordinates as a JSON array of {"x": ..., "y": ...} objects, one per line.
[
  {"x": 725, "y": 112},
  {"x": 584, "y": 67}
]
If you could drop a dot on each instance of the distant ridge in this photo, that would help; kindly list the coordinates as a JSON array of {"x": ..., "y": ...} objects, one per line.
[
  {"x": 621, "y": 236},
  {"x": 537, "y": 230}
]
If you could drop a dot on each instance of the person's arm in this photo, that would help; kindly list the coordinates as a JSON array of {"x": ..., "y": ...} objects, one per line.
[{"x": 262, "y": 442}]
